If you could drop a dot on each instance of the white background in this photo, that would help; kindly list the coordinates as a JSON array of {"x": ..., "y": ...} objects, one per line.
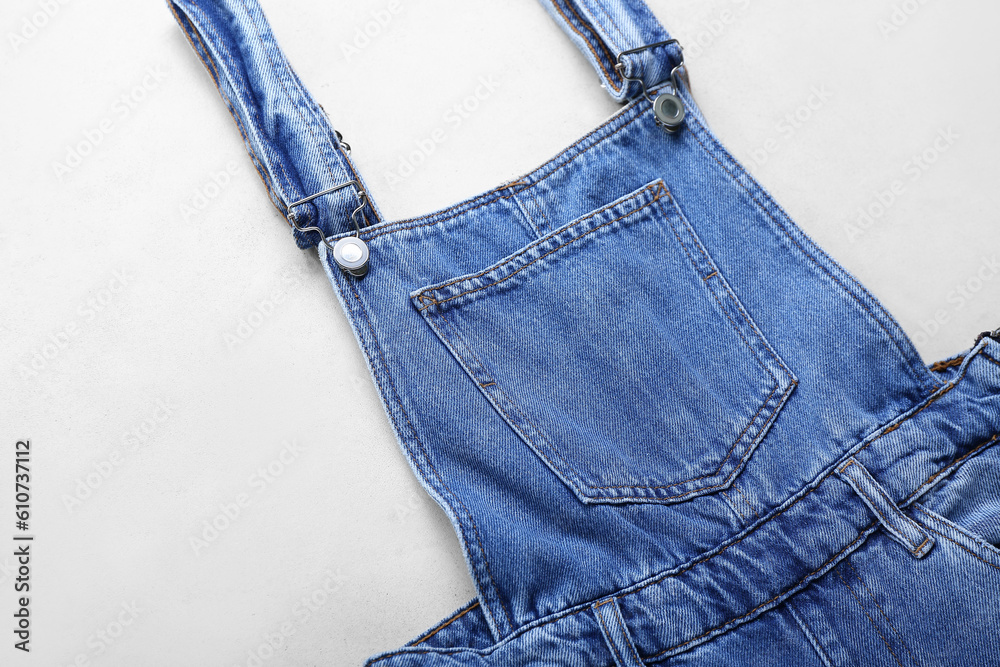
[{"x": 345, "y": 513}]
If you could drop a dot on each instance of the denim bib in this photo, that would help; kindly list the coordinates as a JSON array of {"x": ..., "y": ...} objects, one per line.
[{"x": 665, "y": 425}]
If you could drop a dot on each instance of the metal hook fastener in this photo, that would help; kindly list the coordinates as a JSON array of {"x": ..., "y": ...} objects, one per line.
[
  {"x": 350, "y": 253},
  {"x": 340, "y": 138},
  {"x": 668, "y": 108},
  {"x": 995, "y": 335}
]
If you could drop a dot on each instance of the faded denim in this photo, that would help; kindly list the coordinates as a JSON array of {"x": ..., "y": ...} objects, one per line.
[{"x": 666, "y": 426}]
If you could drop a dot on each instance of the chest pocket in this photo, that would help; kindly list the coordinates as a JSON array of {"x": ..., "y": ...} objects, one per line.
[{"x": 617, "y": 351}]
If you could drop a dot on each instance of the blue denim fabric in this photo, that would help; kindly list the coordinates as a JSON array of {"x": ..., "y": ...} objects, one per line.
[{"x": 666, "y": 426}]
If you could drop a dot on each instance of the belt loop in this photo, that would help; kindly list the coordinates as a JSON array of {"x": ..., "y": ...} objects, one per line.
[
  {"x": 900, "y": 527},
  {"x": 617, "y": 636}
]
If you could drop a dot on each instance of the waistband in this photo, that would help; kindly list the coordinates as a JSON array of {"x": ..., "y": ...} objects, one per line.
[{"x": 773, "y": 558}]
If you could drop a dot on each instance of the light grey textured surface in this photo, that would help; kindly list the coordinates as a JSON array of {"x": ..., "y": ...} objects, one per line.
[{"x": 196, "y": 254}]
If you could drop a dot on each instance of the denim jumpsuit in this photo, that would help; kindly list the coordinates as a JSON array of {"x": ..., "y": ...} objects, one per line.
[{"x": 666, "y": 426}]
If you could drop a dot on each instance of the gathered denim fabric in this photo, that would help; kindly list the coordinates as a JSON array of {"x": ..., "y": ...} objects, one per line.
[{"x": 666, "y": 426}]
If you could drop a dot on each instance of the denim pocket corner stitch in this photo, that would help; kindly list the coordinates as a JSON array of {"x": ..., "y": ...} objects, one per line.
[{"x": 628, "y": 305}]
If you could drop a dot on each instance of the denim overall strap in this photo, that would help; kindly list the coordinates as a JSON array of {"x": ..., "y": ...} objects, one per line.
[
  {"x": 291, "y": 143},
  {"x": 604, "y": 29}
]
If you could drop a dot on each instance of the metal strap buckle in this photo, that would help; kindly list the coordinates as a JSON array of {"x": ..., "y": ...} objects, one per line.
[
  {"x": 350, "y": 253},
  {"x": 995, "y": 335},
  {"x": 668, "y": 108}
]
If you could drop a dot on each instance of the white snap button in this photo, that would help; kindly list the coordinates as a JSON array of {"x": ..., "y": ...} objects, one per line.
[{"x": 351, "y": 254}]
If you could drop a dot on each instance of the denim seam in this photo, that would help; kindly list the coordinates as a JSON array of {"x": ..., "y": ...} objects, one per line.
[
  {"x": 948, "y": 363},
  {"x": 626, "y": 634},
  {"x": 535, "y": 244},
  {"x": 637, "y": 108},
  {"x": 811, "y": 636},
  {"x": 444, "y": 625},
  {"x": 989, "y": 358},
  {"x": 947, "y": 470},
  {"x": 584, "y": 607},
  {"x": 621, "y": 35},
  {"x": 871, "y": 594},
  {"x": 607, "y": 634},
  {"x": 440, "y": 480},
  {"x": 278, "y": 74},
  {"x": 856, "y": 542},
  {"x": 812, "y": 486},
  {"x": 541, "y": 209},
  {"x": 901, "y": 516},
  {"x": 590, "y": 42},
  {"x": 934, "y": 516},
  {"x": 466, "y": 206},
  {"x": 661, "y": 191},
  {"x": 964, "y": 548},
  {"x": 855, "y": 294},
  {"x": 752, "y": 509},
  {"x": 323, "y": 123},
  {"x": 573, "y": 149},
  {"x": 513, "y": 407},
  {"x": 886, "y": 523},
  {"x": 529, "y": 222},
  {"x": 870, "y": 619},
  {"x": 725, "y": 480},
  {"x": 210, "y": 27},
  {"x": 718, "y": 469},
  {"x": 706, "y": 557},
  {"x": 623, "y": 631},
  {"x": 263, "y": 172},
  {"x": 732, "y": 506},
  {"x": 739, "y": 331},
  {"x": 553, "y": 233},
  {"x": 579, "y": 480}
]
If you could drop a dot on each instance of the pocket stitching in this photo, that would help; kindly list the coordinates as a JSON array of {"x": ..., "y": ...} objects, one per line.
[
  {"x": 512, "y": 406},
  {"x": 541, "y": 443},
  {"x": 736, "y": 327},
  {"x": 661, "y": 190}
]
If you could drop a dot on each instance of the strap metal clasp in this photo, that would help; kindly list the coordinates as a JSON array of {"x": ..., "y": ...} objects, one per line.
[
  {"x": 668, "y": 108},
  {"x": 350, "y": 253}
]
